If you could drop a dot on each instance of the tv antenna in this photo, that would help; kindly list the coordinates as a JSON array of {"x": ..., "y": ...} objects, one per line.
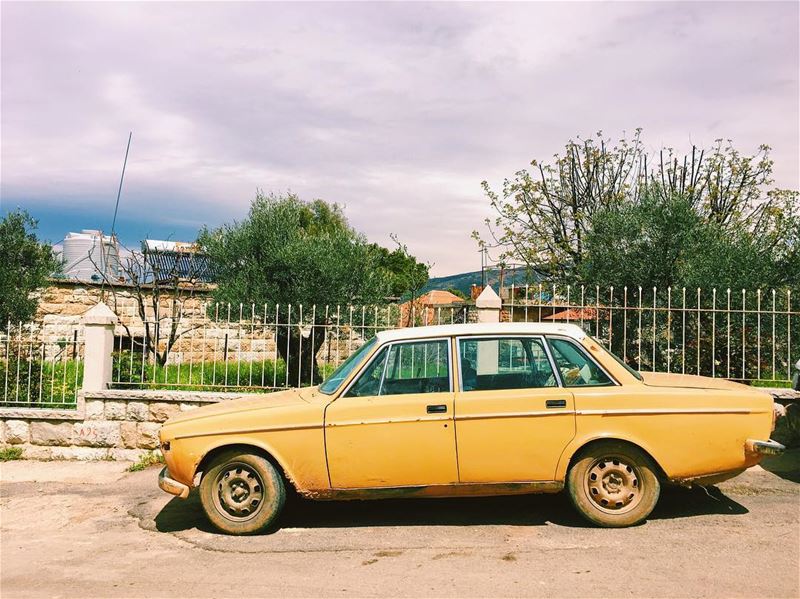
[{"x": 121, "y": 178}]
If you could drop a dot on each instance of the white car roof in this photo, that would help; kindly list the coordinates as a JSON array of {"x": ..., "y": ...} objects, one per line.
[{"x": 482, "y": 328}]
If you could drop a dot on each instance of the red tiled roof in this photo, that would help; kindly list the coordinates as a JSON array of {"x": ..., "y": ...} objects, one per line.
[
  {"x": 574, "y": 314},
  {"x": 437, "y": 297}
]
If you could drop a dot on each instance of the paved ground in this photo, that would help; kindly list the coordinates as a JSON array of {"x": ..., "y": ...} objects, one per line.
[{"x": 91, "y": 530}]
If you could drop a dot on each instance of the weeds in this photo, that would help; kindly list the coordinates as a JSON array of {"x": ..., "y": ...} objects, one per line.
[
  {"x": 147, "y": 460},
  {"x": 10, "y": 453}
]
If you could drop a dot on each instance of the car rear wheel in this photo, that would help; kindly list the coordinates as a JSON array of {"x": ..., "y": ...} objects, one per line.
[
  {"x": 242, "y": 493},
  {"x": 613, "y": 484}
]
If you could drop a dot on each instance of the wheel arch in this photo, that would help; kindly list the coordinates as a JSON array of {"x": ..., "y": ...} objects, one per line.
[
  {"x": 248, "y": 446},
  {"x": 577, "y": 447}
]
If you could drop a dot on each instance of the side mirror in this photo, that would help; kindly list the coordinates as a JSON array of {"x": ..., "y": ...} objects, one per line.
[{"x": 796, "y": 377}]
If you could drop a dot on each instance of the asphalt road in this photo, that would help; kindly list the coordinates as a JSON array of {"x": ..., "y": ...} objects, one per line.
[{"x": 93, "y": 530}]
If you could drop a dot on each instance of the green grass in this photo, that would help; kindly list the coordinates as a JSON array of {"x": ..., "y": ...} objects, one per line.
[
  {"x": 10, "y": 453},
  {"x": 773, "y": 384},
  {"x": 36, "y": 384},
  {"x": 129, "y": 373},
  {"x": 146, "y": 461}
]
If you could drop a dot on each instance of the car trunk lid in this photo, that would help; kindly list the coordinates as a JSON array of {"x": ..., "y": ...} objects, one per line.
[{"x": 689, "y": 381}]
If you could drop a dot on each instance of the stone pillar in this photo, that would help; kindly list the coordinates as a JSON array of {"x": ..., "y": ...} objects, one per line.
[
  {"x": 489, "y": 305},
  {"x": 98, "y": 329}
]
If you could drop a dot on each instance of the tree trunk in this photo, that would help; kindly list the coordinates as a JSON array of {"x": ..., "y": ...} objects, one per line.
[{"x": 298, "y": 346}]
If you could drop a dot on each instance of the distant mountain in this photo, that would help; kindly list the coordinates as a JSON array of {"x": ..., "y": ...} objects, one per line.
[{"x": 464, "y": 281}]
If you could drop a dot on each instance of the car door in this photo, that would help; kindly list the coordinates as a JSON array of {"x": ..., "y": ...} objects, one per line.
[
  {"x": 393, "y": 426},
  {"x": 513, "y": 419}
]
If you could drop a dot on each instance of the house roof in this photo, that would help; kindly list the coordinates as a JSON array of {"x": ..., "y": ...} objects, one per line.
[
  {"x": 574, "y": 314},
  {"x": 438, "y": 296}
]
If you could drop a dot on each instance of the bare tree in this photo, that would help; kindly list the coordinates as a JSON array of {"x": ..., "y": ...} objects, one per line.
[
  {"x": 160, "y": 283},
  {"x": 543, "y": 213}
]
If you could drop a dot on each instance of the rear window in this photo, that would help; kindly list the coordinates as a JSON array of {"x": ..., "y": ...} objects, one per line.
[
  {"x": 576, "y": 368},
  {"x": 621, "y": 362}
]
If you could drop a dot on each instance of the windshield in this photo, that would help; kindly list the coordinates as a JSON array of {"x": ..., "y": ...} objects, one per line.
[
  {"x": 619, "y": 360},
  {"x": 332, "y": 383}
]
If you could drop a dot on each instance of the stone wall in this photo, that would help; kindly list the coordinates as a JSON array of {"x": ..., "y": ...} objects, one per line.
[
  {"x": 107, "y": 425},
  {"x": 202, "y": 338},
  {"x": 63, "y": 303}
]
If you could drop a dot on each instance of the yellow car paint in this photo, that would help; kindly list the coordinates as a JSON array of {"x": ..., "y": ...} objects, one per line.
[{"x": 476, "y": 442}]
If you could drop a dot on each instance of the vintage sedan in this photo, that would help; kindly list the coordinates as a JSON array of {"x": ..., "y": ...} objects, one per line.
[{"x": 472, "y": 409}]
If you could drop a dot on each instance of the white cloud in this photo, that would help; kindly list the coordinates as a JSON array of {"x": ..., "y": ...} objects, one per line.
[{"x": 396, "y": 110}]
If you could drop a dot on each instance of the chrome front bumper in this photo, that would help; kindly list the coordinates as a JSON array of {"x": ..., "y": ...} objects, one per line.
[
  {"x": 171, "y": 486},
  {"x": 764, "y": 447}
]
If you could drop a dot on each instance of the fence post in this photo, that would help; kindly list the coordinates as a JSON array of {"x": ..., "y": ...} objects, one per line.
[
  {"x": 489, "y": 305},
  {"x": 98, "y": 324}
]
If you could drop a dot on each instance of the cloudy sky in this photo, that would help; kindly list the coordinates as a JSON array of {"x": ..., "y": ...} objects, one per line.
[{"x": 396, "y": 110}]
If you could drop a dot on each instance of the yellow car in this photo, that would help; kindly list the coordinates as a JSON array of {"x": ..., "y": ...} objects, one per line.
[{"x": 472, "y": 409}]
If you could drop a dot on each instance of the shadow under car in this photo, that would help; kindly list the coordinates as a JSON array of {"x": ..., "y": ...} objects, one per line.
[{"x": 518, "y": 510}]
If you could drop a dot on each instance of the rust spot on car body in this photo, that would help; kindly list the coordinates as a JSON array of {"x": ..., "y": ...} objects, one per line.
[{"x": 451, "y": 490}]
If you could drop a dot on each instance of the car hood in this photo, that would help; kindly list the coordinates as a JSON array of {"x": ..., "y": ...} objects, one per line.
[
  {"x": 279, "y": 399},
  {"x": 689, "y": 381}
]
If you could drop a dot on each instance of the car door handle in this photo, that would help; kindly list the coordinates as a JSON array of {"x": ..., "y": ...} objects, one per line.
[
  {"x": 437, "y": 409},
  {"x": 556, "y": 403}
]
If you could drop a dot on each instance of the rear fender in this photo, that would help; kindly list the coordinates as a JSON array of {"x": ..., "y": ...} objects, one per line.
[{"x": 579, "y": 442}]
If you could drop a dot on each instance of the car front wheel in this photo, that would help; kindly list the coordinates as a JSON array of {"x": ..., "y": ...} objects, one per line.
[
  {"x": 242, "y": 493},
  {"x": 613, "y": 484}
]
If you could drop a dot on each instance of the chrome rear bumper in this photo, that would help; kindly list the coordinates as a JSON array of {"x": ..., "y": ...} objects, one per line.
[
  {"x": 172, "y": 486},
  {"x": 764, "y": 447}
]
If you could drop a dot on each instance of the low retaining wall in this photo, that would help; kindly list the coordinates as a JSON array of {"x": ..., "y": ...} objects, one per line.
[{"x": 106, "y": 425}]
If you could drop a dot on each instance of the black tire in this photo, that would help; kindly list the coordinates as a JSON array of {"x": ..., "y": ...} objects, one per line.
[
  {"x": 613, "y": 484},
  {"x": 242, "y": 493}
]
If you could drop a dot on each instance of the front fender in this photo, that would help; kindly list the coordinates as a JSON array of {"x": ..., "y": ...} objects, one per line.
[{"x": 300, "y": 453}]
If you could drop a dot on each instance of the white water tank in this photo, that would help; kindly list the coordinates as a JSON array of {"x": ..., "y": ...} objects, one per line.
[{"x": 88, "y": 255}]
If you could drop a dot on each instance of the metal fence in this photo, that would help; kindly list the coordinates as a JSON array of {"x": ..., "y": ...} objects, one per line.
[
  {"x": 751, "y": 336},
  {"x": 40, "y": 369},
  {"x": 240, "y": 347}
]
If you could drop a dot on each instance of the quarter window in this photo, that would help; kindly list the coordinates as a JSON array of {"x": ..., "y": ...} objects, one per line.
[
  {"x": 504, "y": 363},
  {"x": 576, "y": 368}
]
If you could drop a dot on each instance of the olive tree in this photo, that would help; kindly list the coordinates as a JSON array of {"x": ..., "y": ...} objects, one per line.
[
  {"x": 288, "y": 251},
  {"x": 25, "y": 265},
  {"x": 405, "y": 274}
]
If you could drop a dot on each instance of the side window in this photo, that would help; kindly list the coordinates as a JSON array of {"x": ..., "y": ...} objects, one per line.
[
  {"x": 504, "y": 363},
  {"x": 577, "y": 370},
  {"x": 419, "y": 367},
  {"x": 369, "y": 381}
]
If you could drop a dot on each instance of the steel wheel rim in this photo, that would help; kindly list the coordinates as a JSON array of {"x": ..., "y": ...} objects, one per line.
[
  {"x": 239, "y": 492},
  {"x": 614, "y": 484}
]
